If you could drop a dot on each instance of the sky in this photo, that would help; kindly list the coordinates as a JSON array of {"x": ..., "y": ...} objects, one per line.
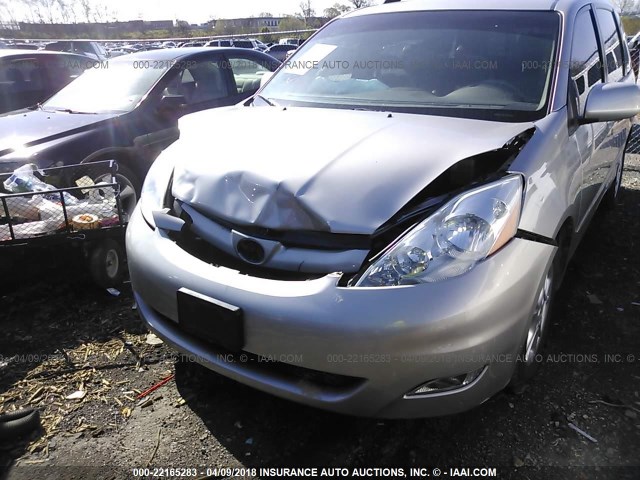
[
  {"x": 198, "y": 11},
  {"x": 193, "y": 11}
]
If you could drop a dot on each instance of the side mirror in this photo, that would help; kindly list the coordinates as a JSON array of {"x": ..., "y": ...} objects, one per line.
[
  {"x": 612, "y": 101},
  {"x": 171, "y": 104}
]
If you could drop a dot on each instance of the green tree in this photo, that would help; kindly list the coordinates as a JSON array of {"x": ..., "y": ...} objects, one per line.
[
  {"x": 336, "y": 10},
  {"x": 631, "y": 25},
  {"x": 360, "y": 3},
  {"x": 291, "y": 23},
  {"x": 223, "y": 27},
  {"x": 183, "y": 27},
  {"x": 307, "y": 11},
  {"x": 627, "y": 6}
]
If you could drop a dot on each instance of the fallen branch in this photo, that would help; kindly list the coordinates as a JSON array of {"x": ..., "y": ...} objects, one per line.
[
  {"x": 615, "y": 405},
  {"x": 583, "y": 433},
  {"x": 155, "y": 450}
]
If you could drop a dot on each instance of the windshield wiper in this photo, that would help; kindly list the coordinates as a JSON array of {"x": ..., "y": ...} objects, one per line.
[{"x": 265, "y": 100}]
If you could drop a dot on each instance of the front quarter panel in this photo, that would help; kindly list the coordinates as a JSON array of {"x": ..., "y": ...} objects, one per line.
[{"x": 552, "y": 168}]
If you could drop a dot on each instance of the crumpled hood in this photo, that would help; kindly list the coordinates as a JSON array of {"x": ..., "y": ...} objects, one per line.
[
  {"x": 26, "y": 128},
  {"x": 339, "y": 171}
]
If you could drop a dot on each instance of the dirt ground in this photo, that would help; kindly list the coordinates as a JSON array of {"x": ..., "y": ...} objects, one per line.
[{"x": 62, "y": 335}]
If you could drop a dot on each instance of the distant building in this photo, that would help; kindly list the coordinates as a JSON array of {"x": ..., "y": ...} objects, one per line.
[
  {"x": 8, "y": 26},
  {"x": 255, "y": 23},
  {"x": 261, "y": 24}
]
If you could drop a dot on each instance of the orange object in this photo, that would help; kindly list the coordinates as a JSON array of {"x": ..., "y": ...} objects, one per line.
[{"x": 156, "y": 386}]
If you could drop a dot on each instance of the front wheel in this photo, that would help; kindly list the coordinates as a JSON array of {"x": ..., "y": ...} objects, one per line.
[{"x": 529, "y": 359}]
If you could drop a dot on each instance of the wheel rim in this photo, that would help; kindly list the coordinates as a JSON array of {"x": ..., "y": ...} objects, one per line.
[
  {"x": 539, "y": 319},
  {"x": 128, "y": 196},
  {"x": 112, "y": 263}
]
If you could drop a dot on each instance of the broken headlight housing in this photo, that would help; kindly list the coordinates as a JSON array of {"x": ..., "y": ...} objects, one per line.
[{"x": 453, "y": 240}]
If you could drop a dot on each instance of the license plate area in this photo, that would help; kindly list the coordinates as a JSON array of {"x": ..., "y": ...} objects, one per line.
[{"x": 211, "y": 320}]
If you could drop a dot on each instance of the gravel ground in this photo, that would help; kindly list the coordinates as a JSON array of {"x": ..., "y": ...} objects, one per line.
[{"x": 63, "y": 336}]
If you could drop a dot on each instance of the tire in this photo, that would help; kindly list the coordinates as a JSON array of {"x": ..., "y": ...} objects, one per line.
[
  {"x": 528, "y": 362},
  {"x": 107, "y": 264},
  {"x": 18, "y": 424},
  {"x": 130, "y": 187},
  {"x": 613, "y": 194}
]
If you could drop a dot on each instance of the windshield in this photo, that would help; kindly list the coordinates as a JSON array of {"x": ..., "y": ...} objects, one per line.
[
  {"x": 476, "y": 64},
  {"x": 110, "y": 87}
]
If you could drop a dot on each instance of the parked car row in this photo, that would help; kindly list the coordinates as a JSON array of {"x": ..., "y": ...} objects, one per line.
[
  {"x": 93, "y": 50},
  {"x": 281, "y": 51},
  {"x": 100, "y": 52}
]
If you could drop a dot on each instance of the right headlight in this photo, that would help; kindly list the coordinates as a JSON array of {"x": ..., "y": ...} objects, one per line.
[{"x": 454, "y": 239}]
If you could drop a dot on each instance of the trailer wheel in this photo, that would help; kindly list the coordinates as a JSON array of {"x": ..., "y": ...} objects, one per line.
[{"x": 107, "y": 263}]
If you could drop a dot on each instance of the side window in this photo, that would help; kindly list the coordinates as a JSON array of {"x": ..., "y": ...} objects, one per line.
[
  {"x": 247, "y": 74},
  {"x": 64, "y": 47},
  {"x": 586, "y": 64},
  {"x": 201, "y": 81},
  {"x": 85, "y": 47},
  {"x": 612, "y": 44},
  {"x": 22, "y": 75}
]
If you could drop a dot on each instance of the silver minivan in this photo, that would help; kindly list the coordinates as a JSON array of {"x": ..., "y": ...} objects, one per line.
[{"x": 399, "y": 255}]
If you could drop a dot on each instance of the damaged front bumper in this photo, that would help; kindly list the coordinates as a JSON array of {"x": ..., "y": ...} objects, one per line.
[{"x": 360, "y": 351}]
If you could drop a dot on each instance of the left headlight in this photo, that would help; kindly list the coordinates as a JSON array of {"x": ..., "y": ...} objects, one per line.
[{"x": 449, "y": 243}]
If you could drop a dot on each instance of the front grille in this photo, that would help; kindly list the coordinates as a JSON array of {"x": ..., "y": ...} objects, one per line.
[
  {"x": 295, "y": 238},
  {"x": 212, "y": 255},
  {"x": 296, "y": 374}
]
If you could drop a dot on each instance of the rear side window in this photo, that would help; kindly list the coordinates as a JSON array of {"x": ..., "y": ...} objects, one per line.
[
  {"x": 247, "y": 74},
  {"x": 586, "y": 63},
  {"x": 203, "y": 82},
  {"x": 85, "y": 47},
  {"x": 22, "y": 75},
  {"x": 614, "y": 62},
  {"x": 59, "y": 47}
]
